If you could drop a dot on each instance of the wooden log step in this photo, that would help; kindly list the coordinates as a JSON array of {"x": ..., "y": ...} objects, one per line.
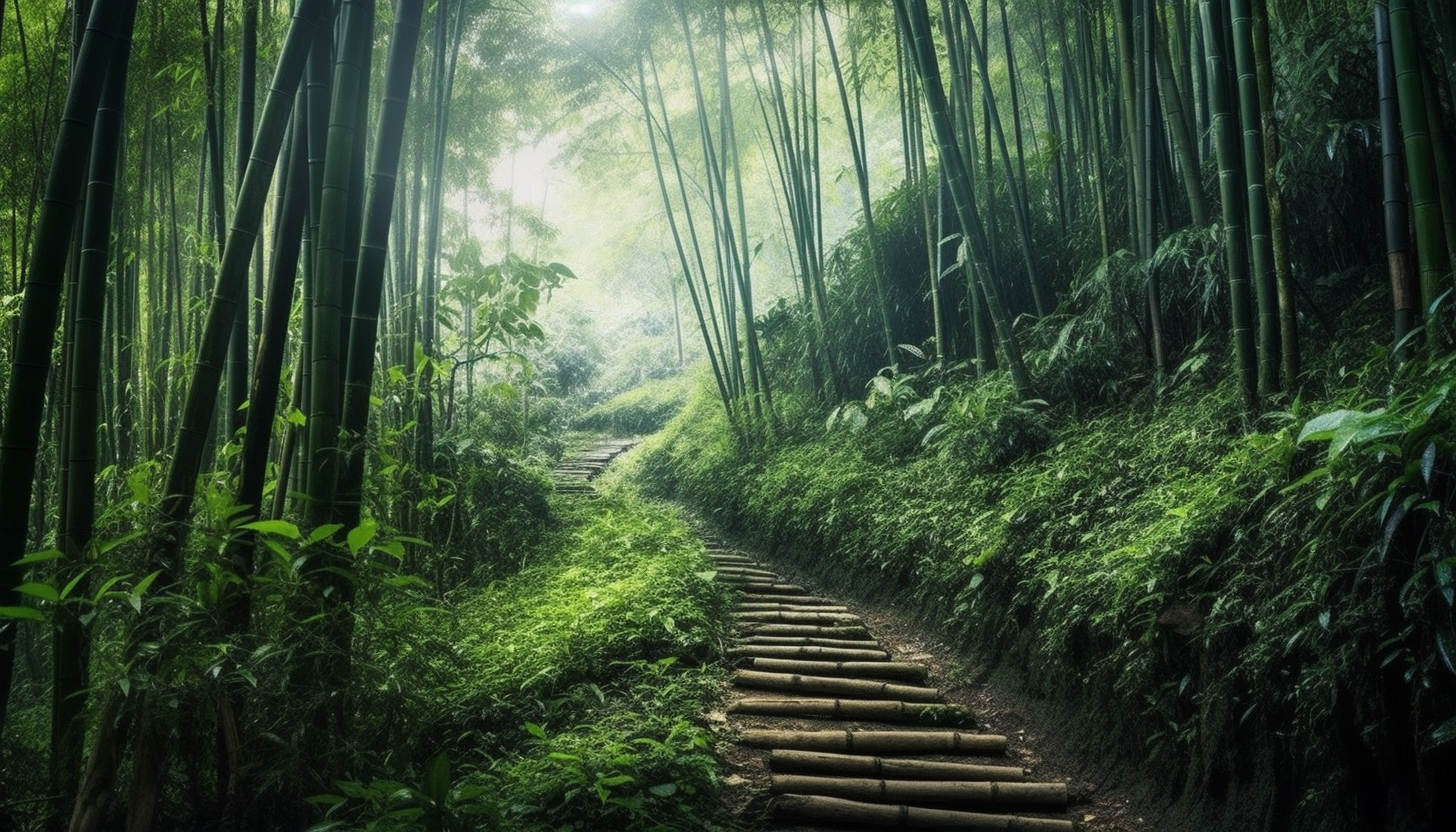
[
  {"x": 769, "y": 598},
  {"x": 736, "y": 562},
  {"x": 1042, "y": 795},
  {"x": 806, "y": 630},
  {"x": 877, "y": 742},
  {"x": 878, "y": 710},
  {"x": 771, "y": 606},
  {"x": 783, "y": 617},
  {"x": 765, "y": 587},
  {"x": 838, "y": 686},
  {"x": 904, "y": 671},
  {"x": 769, "y": 651},
  {"x": 859, "y": 765},
  {"x": 810, "y": 641},
  {"x": 835, "y": 810},
  {"x": 748, "y": 572}
]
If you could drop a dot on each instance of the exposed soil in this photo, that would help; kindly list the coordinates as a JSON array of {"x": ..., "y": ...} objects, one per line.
[{"x": 1098, "y": 803}]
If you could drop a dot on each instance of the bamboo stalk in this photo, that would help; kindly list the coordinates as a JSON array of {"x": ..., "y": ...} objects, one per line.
[
  {"x": 834, "y": 685},
  {"x": 877, "y": 742},
  {"x": 910, "y": 791},
  {"x": 828, "y": 653},
  {"x": 880, "y": 710},
  {"x": 836, "y": 810},
  {"x": 859, "y": 764},
  {"x": 880, "y": 670}
]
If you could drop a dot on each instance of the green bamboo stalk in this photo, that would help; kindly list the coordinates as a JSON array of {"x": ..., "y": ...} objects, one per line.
[
  {"x": 914, "y": 19},
  {"x": 369, "y": 282},
  {"x": 1233, "y": 199},
  {"x": 1261, "y": 247},
  {"x": 40, "y": 309},
  {"x": 1403, "y": 290},
  {"x": 1431, "y": 254}
]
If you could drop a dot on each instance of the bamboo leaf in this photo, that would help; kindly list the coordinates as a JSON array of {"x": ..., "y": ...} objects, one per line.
[
  {"x": 21, "y": 614},
  {"x": 44, "y": 592},
  {"x": 281, "y": 528}
]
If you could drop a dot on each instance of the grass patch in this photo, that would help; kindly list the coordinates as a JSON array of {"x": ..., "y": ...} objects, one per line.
[
  {"x": 641, "y": 410},
  {"x": 571, "y": 692}
]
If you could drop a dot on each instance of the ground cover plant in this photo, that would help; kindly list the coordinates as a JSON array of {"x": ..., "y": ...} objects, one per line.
[
  {"x": 1260, "y": 611},
  {"x": 566, "y": 695}
]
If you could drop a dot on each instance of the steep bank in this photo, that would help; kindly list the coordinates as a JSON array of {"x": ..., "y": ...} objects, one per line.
[{"x": 1211, "y": 606}]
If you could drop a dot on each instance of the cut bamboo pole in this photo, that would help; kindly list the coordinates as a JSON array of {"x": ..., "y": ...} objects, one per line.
[
  {"x": 767, "y": 598},
  {"x": 747, "y": 572},
  {"x": 782, "y": 617},
  {"x": 861, "y": 765},
  {"x": 1053, "y": 795},
  {"x": 865, "y": 688},
  {"x": 905, "y": 671},
  {"x": 810, "y": 641},
  {"x": 878, "y": 710},
  {"x": 769, "y": 651},
  {"x": 877, "y": 742},
  {"x": 774, "y": 606},
  {"x": 807, "y": 630},
  {"x": 837, "y": 810},
  {"x": 765, "y": 587}
]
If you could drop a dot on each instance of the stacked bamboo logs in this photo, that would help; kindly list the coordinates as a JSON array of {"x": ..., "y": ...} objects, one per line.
[
  {"x": 804, "y": 656},
  {"x": 575, "y": 472}
]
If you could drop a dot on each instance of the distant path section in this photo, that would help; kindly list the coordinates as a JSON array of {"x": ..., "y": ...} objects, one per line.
[{"x": 576, "y": 470}]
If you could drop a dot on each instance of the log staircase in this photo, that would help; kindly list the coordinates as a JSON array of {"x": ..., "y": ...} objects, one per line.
[
  {"x": 855, "y": 738},
  {"x": 576, "y": 470}
]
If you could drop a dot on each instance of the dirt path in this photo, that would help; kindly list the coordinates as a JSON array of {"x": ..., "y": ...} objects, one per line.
[{"x": 1093, "y": 800}]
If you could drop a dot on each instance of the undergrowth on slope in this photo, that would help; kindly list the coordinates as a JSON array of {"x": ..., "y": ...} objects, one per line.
[
  {"x": 1267, "y": 605},
  {"x": 568, "y": 694},
  {"x": 641, "y": 410}
]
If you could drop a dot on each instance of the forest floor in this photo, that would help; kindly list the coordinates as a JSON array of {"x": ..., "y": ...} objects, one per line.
[{"x": 1099, "y": 799}]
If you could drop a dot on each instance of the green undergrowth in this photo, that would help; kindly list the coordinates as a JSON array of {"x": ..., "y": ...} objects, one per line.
[
  {"x": 641, "y": 410},
  {"x": 1261, "y": 612},
  {"x": 570, "y": 693}
]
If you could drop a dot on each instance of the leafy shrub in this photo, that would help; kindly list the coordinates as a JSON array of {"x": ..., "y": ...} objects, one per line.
[{"x": 641, "y": 410}]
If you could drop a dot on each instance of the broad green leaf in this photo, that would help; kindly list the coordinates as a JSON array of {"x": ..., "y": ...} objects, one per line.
[
  {"x": 111, "y": 543},
  {"x": 324, "y": 531},
  {"x": 437, "y": 779},
  {"x": 282, "y": 528},
  {"x": 21, "y": 614},
  {"x": 360, "y": 535},
  {"x": 40, "y": 557},
  {"x": 44, "y": 592},
  {"x": 535, "y": 730},
  {"x": 664, "y": 789},
  {"x": 1323, "y": 426}
]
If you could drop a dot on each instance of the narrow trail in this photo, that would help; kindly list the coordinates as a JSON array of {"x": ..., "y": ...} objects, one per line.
[
  {"x": 576, "y": 470},
  {"x": 835, "y": 729},
  {"x": 847, "y": 736}
]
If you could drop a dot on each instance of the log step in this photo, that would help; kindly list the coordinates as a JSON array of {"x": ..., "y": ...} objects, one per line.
[
  {"x": 832, "y": 810},
  {"x": 878, "y": 742},
  {"x": 810, "y": 641},
  {"x": 747, "y": 572},
  {"x": 774, "y": 606},
  {"x": 866, "y": 688},
  {"x": 786, "y": 617},
  {"x": 1042, "y": 795},
  {"x": 851, "y": 632},
  {"x": 769, "y": 651},
  {"x": 766, "y": 587},
  {"x": 859, "y": 765},
  {"x": 904, "y": 671},
  {"x": 878, "y": 710},
  {"x": 768, "y": 598}
]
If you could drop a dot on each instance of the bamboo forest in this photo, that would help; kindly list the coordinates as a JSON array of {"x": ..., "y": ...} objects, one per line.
[{"x": 727, "y": 415}]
